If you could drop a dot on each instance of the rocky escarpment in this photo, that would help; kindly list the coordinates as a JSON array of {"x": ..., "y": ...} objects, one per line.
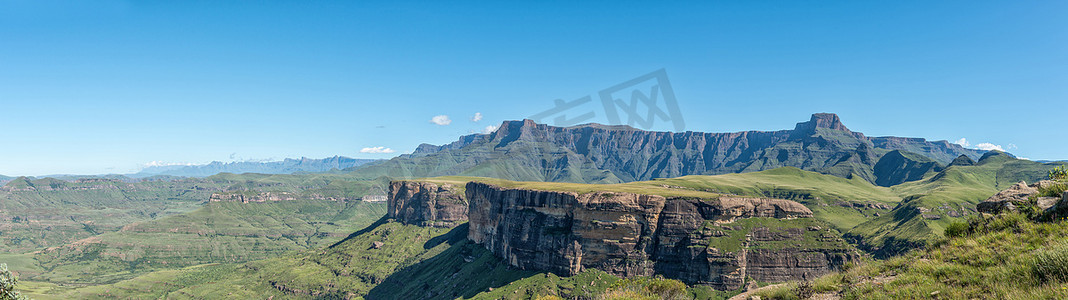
[
  {"x": 245, "y": 197},
  {"x": 426, "y": 203},
  {"x": 718, "y": 242},
  {"x": 593, "y": 153}
]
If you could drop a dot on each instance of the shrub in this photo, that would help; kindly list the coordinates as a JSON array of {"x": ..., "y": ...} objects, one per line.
[
  {"x": 1014, "y": 222},
  {"x": 1058, "y": 173},
  {"x": 8, "y": 281},
  {"x": 804, "y": 290},
  {"x": 956, "y": 229},
  {"x": 1051, "y": 263},
  {"x": 1053, "y": 190}
]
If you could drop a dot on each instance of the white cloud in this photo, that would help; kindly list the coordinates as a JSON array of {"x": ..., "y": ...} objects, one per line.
[
  {"x": 477, "y": 117},
  {"x": 963, "y": 142},
  {"x": 377, "y": 150},
  {"x": 1012, "y": 146},
  {"x": 489, "y": 129},
  {"x": 441, "y": 120},
  {"x": 160, "y": 163},
  {"x": 989, "y": 146}
]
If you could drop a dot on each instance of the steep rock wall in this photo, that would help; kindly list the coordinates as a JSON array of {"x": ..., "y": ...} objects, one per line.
[
  {"x": 426, "y": 203},
  {"x": 718, "y": 242}
]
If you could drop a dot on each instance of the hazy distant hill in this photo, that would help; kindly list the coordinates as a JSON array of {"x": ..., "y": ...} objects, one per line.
[
  {"x": 287, "y": 166},
  {"x": 595, "y": 153}
]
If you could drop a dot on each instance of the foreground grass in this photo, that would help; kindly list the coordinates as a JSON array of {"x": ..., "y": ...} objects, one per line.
[{"x": 1006, "y": 257}]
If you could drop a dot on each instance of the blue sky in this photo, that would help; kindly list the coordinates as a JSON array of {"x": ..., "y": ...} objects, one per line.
[{"x": 109, "y": 86}]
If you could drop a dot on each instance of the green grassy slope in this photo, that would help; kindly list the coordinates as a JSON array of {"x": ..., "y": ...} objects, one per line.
[
  {"x": 411, "y": 262},
  {"x": 48, "y": 212},
  {"x": 97, "y": 231},
  {"x": 217, "y": 232},
  {"x": 897, "y": 167},
  {"x": 353, "y": 266},
  {"x": 1008, "y": 257},
  {"x": 931, "y": 204}
]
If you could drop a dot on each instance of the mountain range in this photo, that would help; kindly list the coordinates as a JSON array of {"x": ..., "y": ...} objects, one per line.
[
  {"x": 286, "y": 166},
  {"x": 595, "y": 153}
]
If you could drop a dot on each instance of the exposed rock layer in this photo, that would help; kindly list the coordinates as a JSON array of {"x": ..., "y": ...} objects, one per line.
[
  {"x": 638, "y": 235},
  {"x": 426, "y": 204}
]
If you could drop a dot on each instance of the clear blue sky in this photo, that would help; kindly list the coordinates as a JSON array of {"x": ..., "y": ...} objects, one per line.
[{"x": 91, "y": 87}]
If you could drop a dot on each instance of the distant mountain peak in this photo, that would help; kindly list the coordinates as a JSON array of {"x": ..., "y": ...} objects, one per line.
[
  {"x": 994, "y": 155},
  {"x": 962, "y": 160},
  {"x": 821, "y": 120}
]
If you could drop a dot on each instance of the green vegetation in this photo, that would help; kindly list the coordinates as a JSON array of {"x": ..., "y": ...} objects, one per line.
[
  {"x": 298, "y": 249},
  {"x": 803, "y": 233},
  {"x": 1002, "y": 257},
  {"x": 95, "y": 231},
  {"x": 217, "y": 232},
  {"x": 646, "y": 288},
  {"x": 385, "y": 261},
  {"x": 929, "y": 205},
  {"x": 49, "y": 212},
  {"x": 8, "y": 282},
  {"x": 1058, "y": 173},
  {"x": 1053, "y": 190}
]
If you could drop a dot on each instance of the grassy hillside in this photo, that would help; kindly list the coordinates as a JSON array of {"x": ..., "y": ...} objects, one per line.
[
  {"x": 48, "y": 212},
  {"x": 931, "y": 204},
  {"x": 95, "y": 231},
  {"x": 217, "y": 232},
  {"x": 353, "y": 266},
  {"x": 1008, "y": 257},
  {"x": 411, "y": 262}
]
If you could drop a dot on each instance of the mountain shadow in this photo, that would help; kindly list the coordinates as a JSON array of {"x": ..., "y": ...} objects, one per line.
[{"x": 462, "y": 270}]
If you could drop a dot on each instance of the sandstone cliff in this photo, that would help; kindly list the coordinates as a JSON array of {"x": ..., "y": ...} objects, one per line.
[
  {"x": 718, "y": 242},
  {"x": 426, "y": 204}
]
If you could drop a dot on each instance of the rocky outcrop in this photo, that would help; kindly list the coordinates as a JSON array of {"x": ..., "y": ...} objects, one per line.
[
  {"x": 245, "y": 197},
  {"x": 426, "y": 203},
  {"x": 699, "y": 241},
  {"x": 1008, "y": 199},
  {"x": 1019, "y": 194}
]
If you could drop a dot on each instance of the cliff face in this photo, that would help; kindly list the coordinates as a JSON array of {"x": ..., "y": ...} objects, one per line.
[
  {"x": 254, "y": 197},
  {"x": 593, "y": 153},
  {"x": 715, "y": 242},
  {"x": 426, "y": 204}
]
